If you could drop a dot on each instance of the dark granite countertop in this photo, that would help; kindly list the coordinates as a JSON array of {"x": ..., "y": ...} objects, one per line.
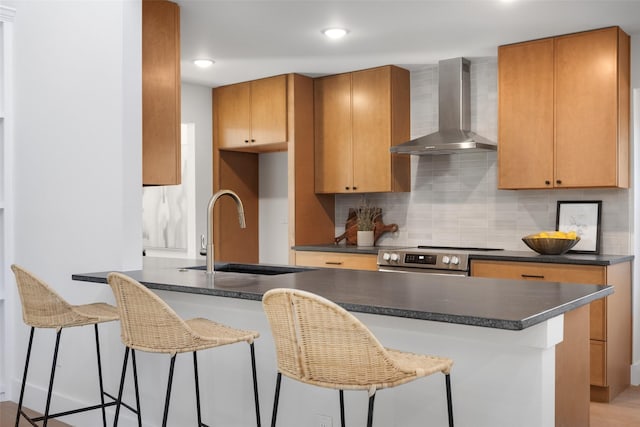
[
  {"x": 569, "y": 258},
  {"x": 520, "y": 256},
  {"x": 342, "y": 248},
  {"x": 492, "y": 303}
]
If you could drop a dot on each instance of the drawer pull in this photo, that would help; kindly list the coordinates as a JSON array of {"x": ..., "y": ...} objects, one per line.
[
  {"x": 333, "y": 262},
  {"x": 532, "y": 276}
]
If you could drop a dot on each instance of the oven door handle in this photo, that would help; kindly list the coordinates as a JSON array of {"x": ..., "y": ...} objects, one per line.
[
  {"x": 392, "y": 270},
  {"x": 456, "y": 273}
]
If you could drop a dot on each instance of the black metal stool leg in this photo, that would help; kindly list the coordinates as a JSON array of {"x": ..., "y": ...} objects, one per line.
[
  {"x": 104, "y": 413},
  {"x": 255, "y": 384},
  {"x": 53, "y": 374},
  {"x": 166, "y": 401},
  {"x": 195, "y": 377},
  {"x": 24, "y": 377},
  {"x": 449, "y": 400},
  {"x": 342, "y": 408},
  {"x": 275, "y": 400},
  {"x": 372, "y": 399},
  {"x": 120, "y": 389},
  {"x": 135, "y": 386}
]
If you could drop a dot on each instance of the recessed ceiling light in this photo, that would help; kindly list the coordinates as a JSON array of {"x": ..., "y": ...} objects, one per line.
[
  {"x": 203, "y": 62},
  {"x": 335, "y": 33}
]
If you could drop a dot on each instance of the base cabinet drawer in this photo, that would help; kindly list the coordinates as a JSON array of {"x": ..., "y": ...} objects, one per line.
[{"x": 337, "y": 260}]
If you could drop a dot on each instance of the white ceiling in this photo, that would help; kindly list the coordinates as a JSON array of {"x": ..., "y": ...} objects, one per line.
[{"x": 253, "y": 39}]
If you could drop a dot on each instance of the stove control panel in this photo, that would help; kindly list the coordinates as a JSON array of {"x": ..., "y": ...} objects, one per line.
[
  {"x": 424, "y": 259},
  {"x": 420, "y": 258}
]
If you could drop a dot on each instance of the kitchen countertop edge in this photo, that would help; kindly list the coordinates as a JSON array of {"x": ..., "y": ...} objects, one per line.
[
  {"x": 502, "y": 255},
  {"x": 358, "y": 299}
]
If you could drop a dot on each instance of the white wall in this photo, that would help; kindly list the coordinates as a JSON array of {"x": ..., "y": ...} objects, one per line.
[
  {"x": 77, "y": 169},
  {"x": 196, "y": 108},
  {"x": 273, "y": 209}
]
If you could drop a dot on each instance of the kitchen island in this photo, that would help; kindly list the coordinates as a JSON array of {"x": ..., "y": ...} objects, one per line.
[{"x": 501, "y": 335}]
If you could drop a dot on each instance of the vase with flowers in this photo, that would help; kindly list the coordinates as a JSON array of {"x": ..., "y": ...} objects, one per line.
[{"x": 365, "y": 215}]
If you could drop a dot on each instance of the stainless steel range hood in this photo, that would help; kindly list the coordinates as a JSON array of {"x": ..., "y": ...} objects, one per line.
[{"x": 453, "y": 136}]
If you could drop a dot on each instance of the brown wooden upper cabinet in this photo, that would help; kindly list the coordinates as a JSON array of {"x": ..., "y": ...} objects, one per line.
[
  {"x": 358, "y": 117},
  {"x": 160, "y": 93},
  {"x": 252, "y": 116},
  {"x": 564, "y": 111}
]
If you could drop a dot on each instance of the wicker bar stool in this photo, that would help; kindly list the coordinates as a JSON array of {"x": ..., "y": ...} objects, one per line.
[
  {"x": 319, "y": 343},
  {"x": 42, "y": 307},
  {"x": 149, "y": 324}
]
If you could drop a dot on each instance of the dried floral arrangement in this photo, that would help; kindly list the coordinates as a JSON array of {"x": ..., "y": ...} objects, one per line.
[{"x": 365, "y": 215}]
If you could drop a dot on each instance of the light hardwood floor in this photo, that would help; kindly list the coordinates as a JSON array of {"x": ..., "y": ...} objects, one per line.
[
  {"x": 8, "y": 416},
  {"x": 624, "y": 411}
]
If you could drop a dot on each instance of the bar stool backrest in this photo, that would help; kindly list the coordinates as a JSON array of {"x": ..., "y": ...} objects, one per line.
[
  {"x": 320, "y": 343},
  {"x": 146, "y": 322},
  {"x": 42, "y": 307}
]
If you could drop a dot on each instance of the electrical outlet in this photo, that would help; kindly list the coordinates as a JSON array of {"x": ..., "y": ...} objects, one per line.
[{"x": 323, "y": 421}]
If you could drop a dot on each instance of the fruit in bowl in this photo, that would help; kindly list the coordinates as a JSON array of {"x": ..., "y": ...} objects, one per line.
[{"x": 551, "y": 242}]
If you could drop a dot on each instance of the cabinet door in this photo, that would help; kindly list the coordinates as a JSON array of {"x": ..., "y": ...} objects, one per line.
[
  {"x": 161, "y": 164},
  {"x": 333, "y": 154},
  {"x": 269, "y": 110},
  {"x": 586, "y": 72},
  {"x": 337, "y": 260},
  {"x": 598, "y": 355},
  {"x": 232, "y": 115},
  {"x": 525, "y": 110},
  {"x": 371, "y": 130}
]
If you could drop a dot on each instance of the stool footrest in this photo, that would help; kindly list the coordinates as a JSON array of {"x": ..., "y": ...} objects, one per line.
[
  {"x": 33, "y": 420},
  {"x": 129, "y": 407}
]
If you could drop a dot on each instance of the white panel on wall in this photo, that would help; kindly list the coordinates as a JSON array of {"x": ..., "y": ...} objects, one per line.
[
  {"x": 274, "y": 209},
  {"x": 196, "y": 109},
  {"x": 6, "y": 193}
]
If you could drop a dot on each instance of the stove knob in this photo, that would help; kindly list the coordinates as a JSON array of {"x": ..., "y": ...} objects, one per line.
[
  {"x": 386, "y": 256},
  {"x": 455, "y": 260},
  {"x": 445, "y": 259},
  {"x": 394, "y": 257}
]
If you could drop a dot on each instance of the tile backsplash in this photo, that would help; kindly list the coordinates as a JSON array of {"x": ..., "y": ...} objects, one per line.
[{"x": 454, "y": 199}]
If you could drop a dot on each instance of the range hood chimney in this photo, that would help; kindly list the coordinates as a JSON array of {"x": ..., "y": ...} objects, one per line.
[{"x": 454, "y": 104}]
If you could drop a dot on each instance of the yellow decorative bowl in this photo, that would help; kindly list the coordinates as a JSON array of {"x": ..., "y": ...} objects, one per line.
[{"x": 550, "y": 245}]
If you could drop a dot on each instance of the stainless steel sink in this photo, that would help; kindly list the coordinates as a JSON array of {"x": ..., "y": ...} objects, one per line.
[{"x": 269, "y": 270}]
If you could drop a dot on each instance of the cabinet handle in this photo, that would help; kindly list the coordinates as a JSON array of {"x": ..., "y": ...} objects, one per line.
[
  {"x": 558, "y": 181},
  {"x": 547, "y": 182},
  {"x": 253, "y": 140},
  {"x": 246, "y": 141},
  {"x": 333, "y": 262},
  {"x": 355, "y": 188},
  {"x": 532, "y": 276},
  {"x": 346, "y": 188}
]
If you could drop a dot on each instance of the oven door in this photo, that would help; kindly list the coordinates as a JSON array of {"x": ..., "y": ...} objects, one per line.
[{"x": 431, "y": 271}]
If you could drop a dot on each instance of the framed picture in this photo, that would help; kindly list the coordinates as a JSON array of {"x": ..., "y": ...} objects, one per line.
[{"x": 583, "y": 217}]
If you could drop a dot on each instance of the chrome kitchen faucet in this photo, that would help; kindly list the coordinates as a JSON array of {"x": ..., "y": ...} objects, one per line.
[{"x": 212, "y": 203}]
